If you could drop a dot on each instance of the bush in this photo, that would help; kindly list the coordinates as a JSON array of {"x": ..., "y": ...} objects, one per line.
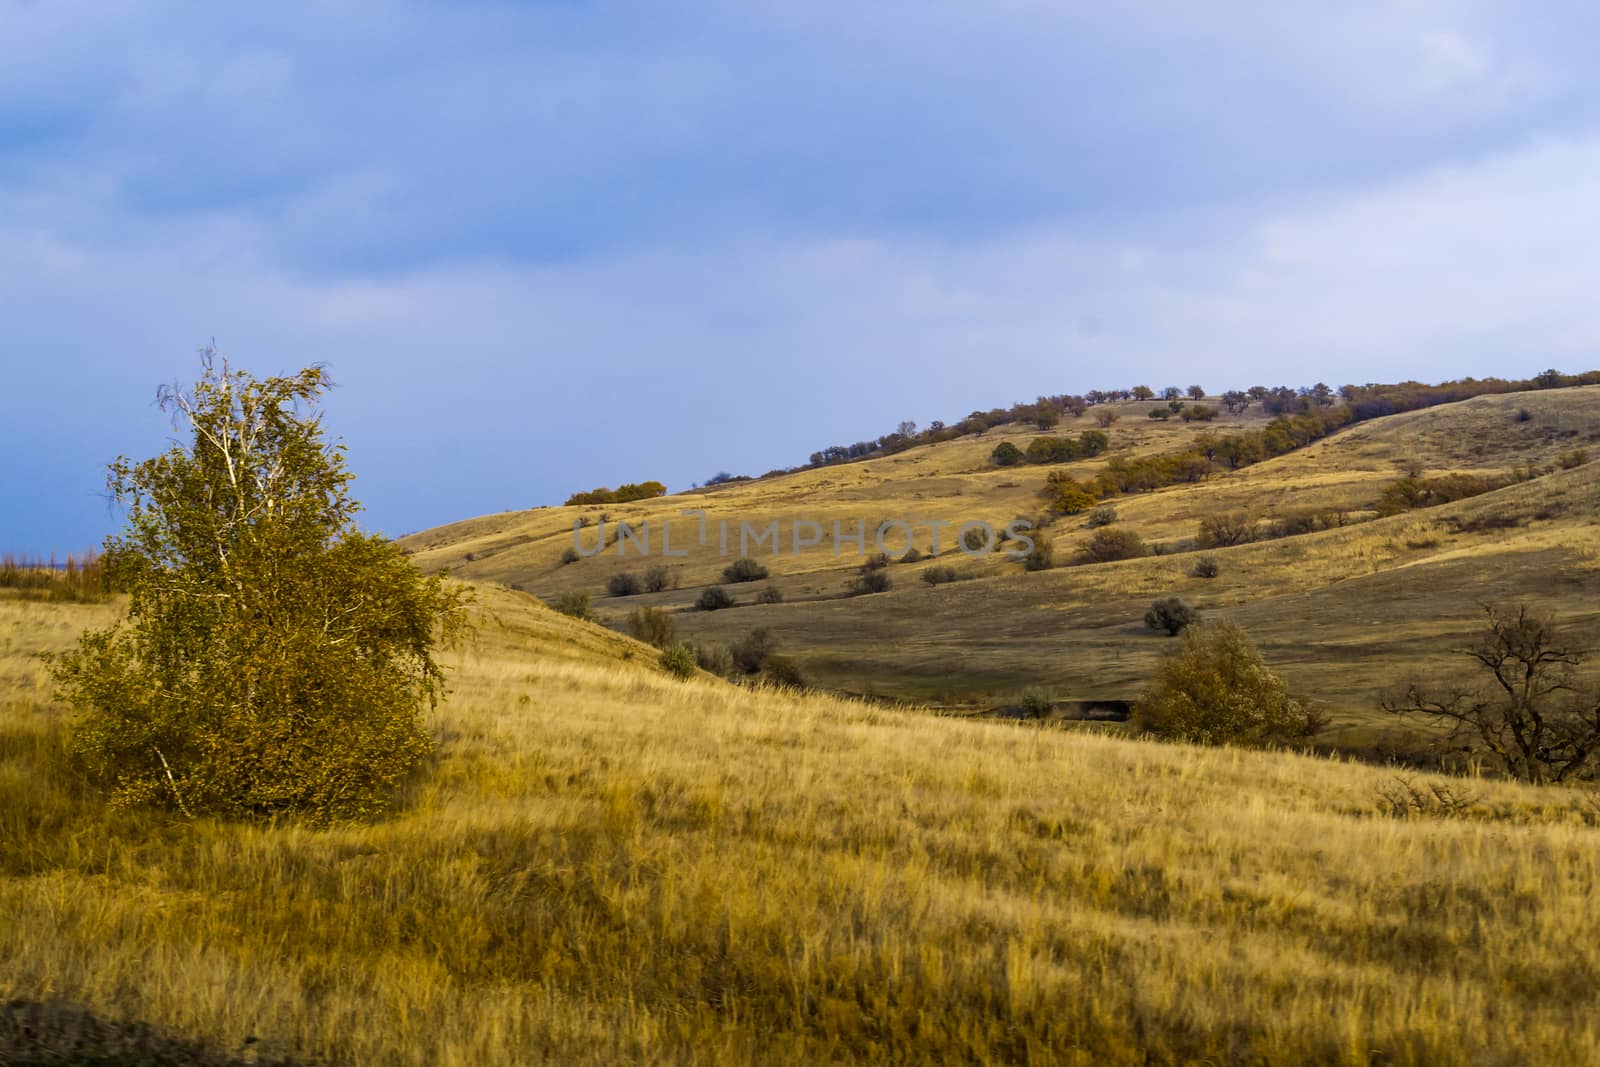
[
  {"x": 1006, "y": 454},
  {"x": 770, "y": 595},
  {"x": 1225, "y": 530},
  {"x": 911, "y": 555},
  {"x": 870, "y": 581},
  {"x": 1524, "y": 415},
  {"x": 974, "y": 540},
  {"x": 744, "y": 569},
  {"x": 652, "y": 626},
  {"x": 714, "y": 598},
  {"x": 781, "y": 670},
  {"x": 680, "y": 660},
  {"x": 1576, "y": 458},
  {"x": 625, "y": 584},
  {"x": 658, "y": 579},
  {"x": 576, "y": 605},
  {"x": 1199, "y": 413},
  {"x": 1109, "y": 544},
  {"x": 1216, "y": 689},
  {"x": 1105, "y": 418},
  {"x": 1037, "y": 703},
  {"x": 274, "y": 659},
  {"x": 1171, "y": 615},
  {"x": 1104, "y": 515},
  {"x": 750, "y": 652},
  {"x": 939, "y": 575},
  {"x": 1042, "y": 556},
  {"x": 1206, "y": 567},
  {"x": 570, "y": 555},
  {"x": 714, "y": 658}
]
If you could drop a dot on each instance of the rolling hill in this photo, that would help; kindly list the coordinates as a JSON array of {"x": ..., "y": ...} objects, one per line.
[{"x": 1343, "y": 612}]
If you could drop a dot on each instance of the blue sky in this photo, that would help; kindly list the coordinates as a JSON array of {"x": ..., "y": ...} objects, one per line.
[{"x": 549, "y": 246}]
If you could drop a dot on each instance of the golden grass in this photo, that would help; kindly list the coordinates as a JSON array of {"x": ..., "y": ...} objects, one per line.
[{"x": 609, "y": 866}]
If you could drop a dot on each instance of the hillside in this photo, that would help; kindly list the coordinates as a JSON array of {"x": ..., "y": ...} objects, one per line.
[
  {"x": 608, "y": 865},
  {"x": 1344, "y": 612}
]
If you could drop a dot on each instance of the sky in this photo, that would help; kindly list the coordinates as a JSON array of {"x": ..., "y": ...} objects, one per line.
[{"x": 549, "y": 246}]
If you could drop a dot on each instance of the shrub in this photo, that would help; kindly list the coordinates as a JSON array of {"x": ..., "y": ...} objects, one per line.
[
  {"x": 1226, "y": 529},
  {"x": 750, "y": 652},
  {"x": 622, "y": 494},
  {"x": 1576, "y": 458},
  {"x": 680, "y": 660},
  {"x": 911, "y": 555},
  {"x": 1041, "y": 557},
  {"x": 1006, "y": 454},
  {"x": 974, "y": 540},
  {"x": 1104, "y": 515},
  {"x": 1037, "y": 703},
  {"x": 1163, "y": 414},
  {"x": 274, "y": 659},
  {"x": 770, "y": 595},
  {"x": 1216, "y": 689},
  {"x": 652, "y": 626},
  {"x": 1105, "y": 418},
  {"x": 939, "y": 575},
  {"x": 624, "y": 584},
  {"x": 1206, "y": 567},
  {"x": 576, "y": 605},
  {"x": 1524, "y": 415},
  {"x": 714, "y": 598},
  {"x": 658, "y": 579},
  {"x": 1109, "y": 544},
  {"x": 1199, "y": 413},
  {"x": 570, "y": 555},
  {"x": 872, "y": 576},
  {"x": 781, "y": 670},
  {"x": 744, "y": 569},
  {"x": 1171, "y": 615},
  {"x": 714, "y": 658}
]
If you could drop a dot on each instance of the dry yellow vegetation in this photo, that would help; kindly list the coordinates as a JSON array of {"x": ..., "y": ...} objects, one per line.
[
  {"x": 1343, "y": 613},
  {"x": 606, "y": 865}
]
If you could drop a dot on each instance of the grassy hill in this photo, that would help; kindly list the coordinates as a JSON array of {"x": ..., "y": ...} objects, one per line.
[
  {"x": 1344, "y": 612},
  {"x": 607, "y": 865}
]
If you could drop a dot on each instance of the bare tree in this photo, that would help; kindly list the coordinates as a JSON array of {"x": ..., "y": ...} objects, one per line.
[{"x": 1531, "y": 713}]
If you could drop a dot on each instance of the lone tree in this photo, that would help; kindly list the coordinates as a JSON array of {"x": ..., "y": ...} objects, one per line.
[
  {"x": 1216, "y": 689},
  {"x": 274, "y": 659},
  {"x": 1530, "y": 713}
]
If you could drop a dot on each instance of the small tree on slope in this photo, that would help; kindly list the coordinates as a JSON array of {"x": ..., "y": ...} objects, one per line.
[
  {"x": 1216, "y": 689},
  {"x": 274, "y": 659}
]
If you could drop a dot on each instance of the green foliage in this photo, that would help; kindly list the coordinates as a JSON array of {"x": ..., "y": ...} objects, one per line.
[
  {"x": 1172, "y": 615},
  {"x": 577, "y": 605},
  {"x": 744, "y": 569},
  {"x": 274, "y": 659},
  {"x": 625, "y": 584},
  {"x": 622, "y": 494},
  {"x": 652, "y": 626},
  {"x": 1037, "y": 703},
  {"x": 751, "y": 652},
  {"x": 1216, "y": 689},
  {"x": 680, "y": 660},
  {"x": 1111, "y": 543},
  {"x": 1006, "y": 454},
  {"x": 714, "y": 598}
]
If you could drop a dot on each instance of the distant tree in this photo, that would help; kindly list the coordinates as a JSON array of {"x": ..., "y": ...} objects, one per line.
[
  {"x": 625, "y": 584},
  {"x": 577, "y": 605},
  {"x": 714, "y": 598},
  {"x": 1006, "y": 454},
  {"x": 1105, "y": 418},
  {"x": 1196, "y": 393},
  {"x": 652, "y": 626},
  {"x": 274, "y": 660},
  {"x": 1257, "y": 392},
  {"x": 1531, "y": 713},
  {"x": 1216, "y": 689},
  {"x": 750, "y": 652},
  {"x": 1162, "y": 414},
  {"x": 1235, "y": 401},
  {"x": 1143, "y": 392},
  {"x": 1171, "y": 392},
  {"x": 1067, "y": 495},
  {"x": 744, "y": 569},
  {"x": 1045, "y": 418},
  {"x": 1199, "y": 413},
  {"x": 1550, "y": 379},
  {"x": 1174, "y": 405},
  {"x": 1171, "y": 615},
  {"x": 1036, "y": 703},
  {"x": 1225, "y": 529},
  {"x": 657, "y": 579},
  {"x": 1112, "y": 543},
  {"x": 907, "y": 429}
]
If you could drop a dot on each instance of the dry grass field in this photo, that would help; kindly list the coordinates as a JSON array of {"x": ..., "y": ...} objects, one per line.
[
  {"x": 1344, "y": 613},
  {"x": 606, "y": 865}
]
